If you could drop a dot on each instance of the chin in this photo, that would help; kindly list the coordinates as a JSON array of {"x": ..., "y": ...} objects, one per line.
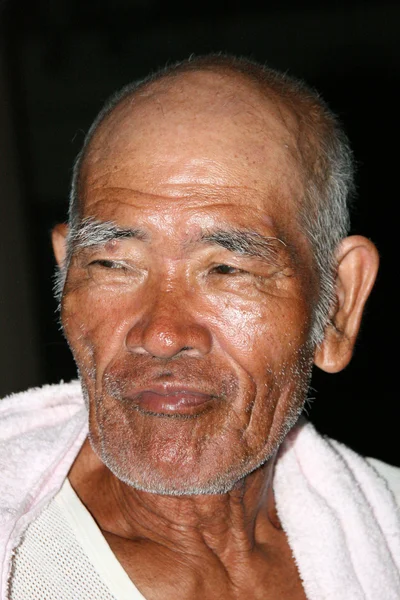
[{"x": 177, "y": 480}]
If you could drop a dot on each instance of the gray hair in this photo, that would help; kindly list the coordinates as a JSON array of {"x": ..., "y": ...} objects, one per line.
[{"x": 327, "y": 164}]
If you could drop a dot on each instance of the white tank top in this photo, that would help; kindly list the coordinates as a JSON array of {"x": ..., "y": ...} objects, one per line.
[{"x": 64, "y": 556}]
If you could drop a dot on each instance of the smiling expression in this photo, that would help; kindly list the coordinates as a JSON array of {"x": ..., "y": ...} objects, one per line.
[{"x": 189, "y": 296}]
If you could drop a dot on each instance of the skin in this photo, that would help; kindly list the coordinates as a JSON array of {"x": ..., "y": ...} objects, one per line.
[{"x": 181, "y": 490}]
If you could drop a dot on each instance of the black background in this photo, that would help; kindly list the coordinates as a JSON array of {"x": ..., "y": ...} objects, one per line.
[{"x": 62, "y": 60}]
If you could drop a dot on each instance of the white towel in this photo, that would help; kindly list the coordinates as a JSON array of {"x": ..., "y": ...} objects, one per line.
[
  {"x": 41, "y": 432},
  {"x": 340, "y": 518}
]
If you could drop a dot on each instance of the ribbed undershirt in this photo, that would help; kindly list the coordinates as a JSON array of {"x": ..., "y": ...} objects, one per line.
[{"x": 64, "y": 556}]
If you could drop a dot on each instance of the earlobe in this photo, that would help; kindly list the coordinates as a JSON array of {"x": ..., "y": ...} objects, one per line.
[
  {"x": 358, "y": 262},
  {"x": 59, "y": 241}
]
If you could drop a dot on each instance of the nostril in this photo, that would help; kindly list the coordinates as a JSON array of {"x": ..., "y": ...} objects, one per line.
[{"x": 161, "y": 336}]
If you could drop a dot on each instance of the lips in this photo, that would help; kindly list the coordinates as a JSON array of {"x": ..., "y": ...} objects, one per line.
[{"x": 171, "y": 402}]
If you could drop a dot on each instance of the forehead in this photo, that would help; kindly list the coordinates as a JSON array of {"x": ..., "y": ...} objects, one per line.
[{"x": 208, "y": 137}]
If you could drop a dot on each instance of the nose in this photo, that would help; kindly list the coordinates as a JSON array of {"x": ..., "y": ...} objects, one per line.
[{"x": 169, "y": 328}]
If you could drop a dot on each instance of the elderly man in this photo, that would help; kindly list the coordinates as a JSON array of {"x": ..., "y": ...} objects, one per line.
[{"x": 204, "y": 270}]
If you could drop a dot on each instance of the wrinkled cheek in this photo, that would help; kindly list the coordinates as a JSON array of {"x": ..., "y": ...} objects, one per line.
[
  {"x": 261, "y": 334},
  {"x": 87, "y": 327},
  {"x": 77, "y": 328},
  {"x": 238, "y": 325},
  {"x": 281, "y": 391}
]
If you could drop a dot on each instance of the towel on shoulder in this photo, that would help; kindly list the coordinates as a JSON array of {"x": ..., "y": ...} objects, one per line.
[{"x": 337, "y": 509}]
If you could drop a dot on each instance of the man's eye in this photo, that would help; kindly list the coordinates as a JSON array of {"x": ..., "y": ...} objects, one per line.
[
  {"x": 225, "y": 270},
  {"x": 107, "y": 264}
]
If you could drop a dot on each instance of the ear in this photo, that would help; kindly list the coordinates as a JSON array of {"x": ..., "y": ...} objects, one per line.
[
  {"x": 59, "y": 241},
  {"x": 358, "y": 263}
]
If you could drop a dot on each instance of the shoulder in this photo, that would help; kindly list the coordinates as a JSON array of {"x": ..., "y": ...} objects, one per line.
[
  {"x": 39, "y": 407},
  {"x": 46, "y": 395},
  {"x": 390, "y": 474},
  {"x": 41, "y": 432}
]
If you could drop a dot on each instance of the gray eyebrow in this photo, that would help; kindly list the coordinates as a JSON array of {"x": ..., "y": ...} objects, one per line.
[
  {"x": 92, "y": 232},
  {"x": 248, "y": 243}
]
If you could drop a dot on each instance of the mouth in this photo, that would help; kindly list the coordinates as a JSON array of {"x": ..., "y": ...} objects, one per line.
[{"x": 171, "y": 402}]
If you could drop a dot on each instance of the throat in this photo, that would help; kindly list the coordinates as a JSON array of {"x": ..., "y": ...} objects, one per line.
[
  {"x": 263, "y": 572},
  {"x": 160, "y": 540},
  {"x": 247, "y": 513}
]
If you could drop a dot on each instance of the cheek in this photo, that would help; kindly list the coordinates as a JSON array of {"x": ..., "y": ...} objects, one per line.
[
  {"x": 94, "y": 325},
  {"x": 261, "y": 334}
]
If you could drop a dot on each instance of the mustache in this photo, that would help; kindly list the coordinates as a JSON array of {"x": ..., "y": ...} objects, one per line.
[{"x": 122, "y": 378}]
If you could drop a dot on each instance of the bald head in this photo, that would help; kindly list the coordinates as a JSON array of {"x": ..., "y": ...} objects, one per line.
[
  {"x": 182, "y": 129},
  {"x": 237, "y": 107},
  {"x": 209, "y": 92}
]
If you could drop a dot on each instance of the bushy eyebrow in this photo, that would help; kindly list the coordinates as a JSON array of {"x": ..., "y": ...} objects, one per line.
[
  {"x": 92, "y": 232},
  {"x": 247, "y": 243}
]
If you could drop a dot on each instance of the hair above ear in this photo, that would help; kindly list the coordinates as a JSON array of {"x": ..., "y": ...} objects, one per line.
[{"x": 357, "y": 267}]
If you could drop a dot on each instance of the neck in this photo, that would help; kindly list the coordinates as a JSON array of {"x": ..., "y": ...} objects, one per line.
[{"x": 241, "y": 518}]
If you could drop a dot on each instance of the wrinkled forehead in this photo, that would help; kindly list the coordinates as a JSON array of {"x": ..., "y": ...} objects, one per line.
[{"x": 210, "y": 138}]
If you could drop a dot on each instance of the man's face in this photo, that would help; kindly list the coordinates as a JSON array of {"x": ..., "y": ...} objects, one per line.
[{"x": 190, "y": 326}]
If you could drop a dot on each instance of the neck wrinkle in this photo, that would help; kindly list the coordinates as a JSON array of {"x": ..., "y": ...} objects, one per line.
[{"x": 235, "y": 521}]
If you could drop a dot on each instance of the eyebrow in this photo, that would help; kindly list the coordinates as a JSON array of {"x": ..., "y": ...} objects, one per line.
[
  {"x": 92, "y": 232},
  {"x": 247, "y": 243}
]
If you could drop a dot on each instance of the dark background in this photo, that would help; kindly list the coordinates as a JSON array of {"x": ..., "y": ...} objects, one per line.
[{"x": 59, "y": 61}]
